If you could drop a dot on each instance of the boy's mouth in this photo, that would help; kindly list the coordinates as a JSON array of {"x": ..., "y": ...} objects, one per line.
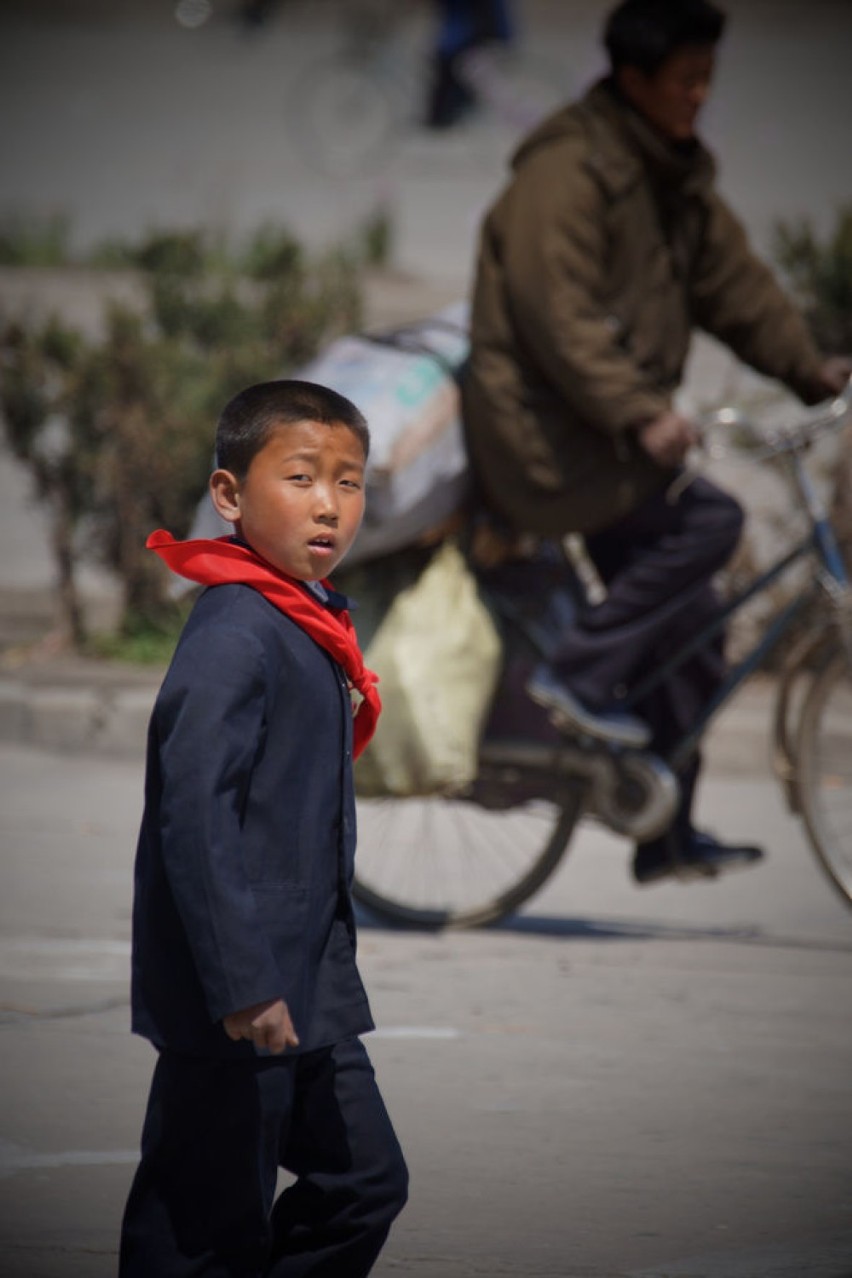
[{"x": 322, "y": 543}]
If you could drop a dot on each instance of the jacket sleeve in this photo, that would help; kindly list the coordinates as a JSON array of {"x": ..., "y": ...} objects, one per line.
[
  {"x": 554, "y": 254},
  {"x": 735, "y": 297},
  {"x": 209, "y": 720}
]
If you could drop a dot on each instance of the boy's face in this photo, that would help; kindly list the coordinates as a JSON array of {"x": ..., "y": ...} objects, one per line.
[{"x": 300, "y": 505}]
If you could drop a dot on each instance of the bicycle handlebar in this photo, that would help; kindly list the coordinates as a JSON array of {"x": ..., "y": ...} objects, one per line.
[
  {"x": 771, "y": 441},
  {"x": 774, "y": 441}
]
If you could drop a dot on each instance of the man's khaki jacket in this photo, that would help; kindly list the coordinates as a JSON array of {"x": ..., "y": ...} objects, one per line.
[{"x": 605, "y": 251}]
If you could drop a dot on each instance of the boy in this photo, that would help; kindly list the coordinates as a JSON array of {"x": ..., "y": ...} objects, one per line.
[{"x": 244, "y": 974}]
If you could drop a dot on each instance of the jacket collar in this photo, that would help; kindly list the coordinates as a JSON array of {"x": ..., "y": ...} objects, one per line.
[{"x": 624, "y": 146}]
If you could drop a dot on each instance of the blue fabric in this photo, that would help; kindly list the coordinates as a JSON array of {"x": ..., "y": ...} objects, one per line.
[
  {"x": 215, "y": 1135},
  {"x": 246, "y": 850},
  {"x": 468, "y": 22},
  {"x": 657, "y": 563}
]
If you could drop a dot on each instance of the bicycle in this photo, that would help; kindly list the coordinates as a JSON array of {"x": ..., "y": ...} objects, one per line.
[
  {"x": 356, "y": 102},
  {"x": 466, "y": 860}
]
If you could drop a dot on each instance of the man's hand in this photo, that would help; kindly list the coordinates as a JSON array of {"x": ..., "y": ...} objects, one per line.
[
  {"x": 835, "y": 374},
  {"x": 668, "y": 438},
  {"x": 265, "y": 1024}
]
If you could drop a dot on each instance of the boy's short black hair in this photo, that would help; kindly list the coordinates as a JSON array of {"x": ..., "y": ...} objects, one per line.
[
  {"x": 643, "y": 33},
  {"x": 248, "y": 419}
]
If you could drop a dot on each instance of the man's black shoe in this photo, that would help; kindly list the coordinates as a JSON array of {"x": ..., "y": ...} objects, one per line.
[
  {"x": 548, "y": 690},
  {"x": 703, "y": 857}
]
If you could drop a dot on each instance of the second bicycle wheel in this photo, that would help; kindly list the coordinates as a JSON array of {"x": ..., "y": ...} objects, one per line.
[
  {"x": 824, "y": 761},
  {"x": 448, "y": 863},
  {"x": 344, "y": 120}
]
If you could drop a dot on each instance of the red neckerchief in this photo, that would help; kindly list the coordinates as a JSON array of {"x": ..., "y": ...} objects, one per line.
[{"x": 218, "y": 561}]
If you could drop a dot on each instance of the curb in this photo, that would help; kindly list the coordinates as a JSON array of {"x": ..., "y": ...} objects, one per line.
[
  {"x": 103, "y": 711},
  {"x": 76, "y": 720},
  {"x": 71, "y": 705}
]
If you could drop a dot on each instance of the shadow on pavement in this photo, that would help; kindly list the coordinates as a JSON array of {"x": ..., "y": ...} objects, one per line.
[{"x": 589, "y": 929}]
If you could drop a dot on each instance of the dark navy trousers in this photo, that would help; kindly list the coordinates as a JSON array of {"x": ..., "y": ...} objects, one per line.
[
  {"x": 657, "y": 564},
  {"x": 203, "y": 1205}
]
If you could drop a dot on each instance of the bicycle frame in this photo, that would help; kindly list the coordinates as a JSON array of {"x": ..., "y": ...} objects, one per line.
[
  {"x": 517, "y": 819},
  {"x": 831, "y": 578}
]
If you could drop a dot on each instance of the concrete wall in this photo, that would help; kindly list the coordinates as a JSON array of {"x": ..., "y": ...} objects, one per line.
[{"x": 125, "y": 119}]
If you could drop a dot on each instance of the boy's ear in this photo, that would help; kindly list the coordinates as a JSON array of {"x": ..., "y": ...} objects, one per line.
[{"x": 225, "y": 494}]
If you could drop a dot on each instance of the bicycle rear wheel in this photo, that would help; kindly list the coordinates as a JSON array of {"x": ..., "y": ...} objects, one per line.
[
  {"x": 824, "y": 760},
  {"x": 439, "y": 862}
]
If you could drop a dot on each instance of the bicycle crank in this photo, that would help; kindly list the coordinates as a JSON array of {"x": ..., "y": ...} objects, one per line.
[
  {"x": 629, "y": 791},
  {"x": 633, "y": 793}
]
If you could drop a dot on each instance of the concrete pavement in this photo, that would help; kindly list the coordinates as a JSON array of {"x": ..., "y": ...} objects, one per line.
[{"x": 616, "y": 1083}]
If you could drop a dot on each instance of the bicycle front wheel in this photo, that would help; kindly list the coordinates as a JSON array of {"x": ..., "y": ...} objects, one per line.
[
  {"x": 439, "y": 862},
  {"x": 824, "y": 762}
]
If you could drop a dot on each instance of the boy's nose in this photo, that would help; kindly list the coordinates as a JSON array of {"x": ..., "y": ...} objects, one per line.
[{"x": 326, "y": 506}]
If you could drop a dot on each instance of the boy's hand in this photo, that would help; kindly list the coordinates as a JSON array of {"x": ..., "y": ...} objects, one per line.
[{"x": 267, "y": 1025}]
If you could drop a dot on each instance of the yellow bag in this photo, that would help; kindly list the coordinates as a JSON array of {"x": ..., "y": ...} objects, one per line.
[{"x": 437, "y": 654}]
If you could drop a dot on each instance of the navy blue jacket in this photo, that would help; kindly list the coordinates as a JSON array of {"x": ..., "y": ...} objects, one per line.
[{"x": 245, "y": 855}]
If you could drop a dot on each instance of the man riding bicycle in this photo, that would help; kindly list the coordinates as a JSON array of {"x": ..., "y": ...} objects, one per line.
[{"x": 608, "y": 247}]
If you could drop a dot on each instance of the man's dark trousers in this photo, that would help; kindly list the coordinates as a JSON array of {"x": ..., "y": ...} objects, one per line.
[
  {"x": 657, "y": 564},
  {"x": 202, "y": 1200}
]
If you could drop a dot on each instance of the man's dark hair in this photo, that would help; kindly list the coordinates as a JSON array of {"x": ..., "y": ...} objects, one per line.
[
  {"x": 643, "y": 33},
  {"x": 249, "y": 418}
]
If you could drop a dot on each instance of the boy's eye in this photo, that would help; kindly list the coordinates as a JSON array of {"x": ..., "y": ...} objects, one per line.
[
  {"x": 299, "y": 479},
  {"x": 351, "y": 483}
]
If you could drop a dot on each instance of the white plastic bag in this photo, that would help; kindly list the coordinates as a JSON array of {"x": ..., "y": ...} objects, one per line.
[{"x": 437, "y": 654}]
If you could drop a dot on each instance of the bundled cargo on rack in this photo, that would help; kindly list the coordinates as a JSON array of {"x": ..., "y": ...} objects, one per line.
[{"x": 405, "y": 383}]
